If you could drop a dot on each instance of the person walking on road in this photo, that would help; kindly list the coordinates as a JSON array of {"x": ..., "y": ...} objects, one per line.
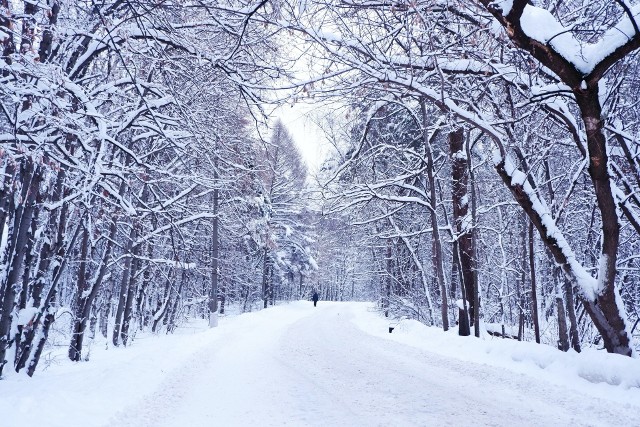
[{"x": 315, "y": 298}]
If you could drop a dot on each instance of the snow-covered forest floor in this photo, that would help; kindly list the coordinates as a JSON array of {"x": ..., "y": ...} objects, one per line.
[{"x": 336, "y": 364}]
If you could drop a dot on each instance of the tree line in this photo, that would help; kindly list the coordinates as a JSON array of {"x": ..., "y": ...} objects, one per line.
[
  {"x": 485, "y": 168},
  {"x": 134, "y": 188},
  {"x": 490, "y": 148}
]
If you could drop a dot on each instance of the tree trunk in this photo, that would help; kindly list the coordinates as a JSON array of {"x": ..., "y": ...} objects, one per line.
[
  {"x": 79, "y": 300},
  {"x": 461, "y": 218},
  {"x": 105, "y": 311},
  {"x": 45, "y": 311},
  {"x": 476, "y": 285},
  {"x": 171, "y": 324},
  {"x": 7, "y": 209},
  {"x": 29, "y": 261},
  {"x": 571, "y": 311},
  {"x": 534, "y": 292},
  {"x": 17, "y": 246},
  {"x": 124, "y": 287},
  {"x": 223, "y": 298},
  {"x": 265, "y": 277},
  {"x": 162, "y": 306},
  {"x": 437, "y": 245},
  {"x": 388, "y": 281},
  {"x": 563, "y": 336},
  {"x": 607, "y": 316},
  {"x": 603, "y": 309},
  {"x": 142, "y": 309},
  {"x": 127, "y": 314},
  {"x": 215, "y": 255}
]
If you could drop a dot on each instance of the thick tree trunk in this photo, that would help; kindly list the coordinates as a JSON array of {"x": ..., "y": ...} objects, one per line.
[
  {"x": 173, "y": 313},
  {"x": 6, "y": 207},
  {"x": 607, "y": 315},
  {"x": 474, "y": 211},
  {"x": 49, "y": 318},
  {"x": 29, "y": 261},
  {"x": 461, "y": 217}
]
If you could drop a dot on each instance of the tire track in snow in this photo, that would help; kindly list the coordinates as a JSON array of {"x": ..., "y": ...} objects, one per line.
[
  {"x": 220, "y": 383},
  {"x": 156, "y": 407},
  {"x": 388, "y": 383}
]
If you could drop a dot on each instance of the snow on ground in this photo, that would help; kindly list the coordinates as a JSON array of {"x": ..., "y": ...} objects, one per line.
[{"x": 335, "y": 365}]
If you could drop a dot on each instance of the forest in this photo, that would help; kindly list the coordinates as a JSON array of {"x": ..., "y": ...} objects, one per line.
[{"x": 483, "y": 170}]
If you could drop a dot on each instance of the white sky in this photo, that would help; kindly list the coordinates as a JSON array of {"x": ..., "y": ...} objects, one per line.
[{"x": 307, "y": 135}]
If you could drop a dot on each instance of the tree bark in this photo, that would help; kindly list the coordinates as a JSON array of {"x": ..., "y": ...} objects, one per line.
[
  {"x": 6, "y": 204},
  {"x": 171, "y": 324},
  {"x": 462, "y": 219}
]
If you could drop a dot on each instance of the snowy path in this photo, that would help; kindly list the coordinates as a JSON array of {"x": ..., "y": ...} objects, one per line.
[{"x": 316, "y": 367}]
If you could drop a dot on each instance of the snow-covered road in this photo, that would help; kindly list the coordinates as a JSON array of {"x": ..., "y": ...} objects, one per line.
[
  {"x": 300, "y": 366},
  {"x": 334, "y": 365}
]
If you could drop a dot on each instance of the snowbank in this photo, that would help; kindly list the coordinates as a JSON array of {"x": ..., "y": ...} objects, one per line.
[{"x": 593, "y": 372}]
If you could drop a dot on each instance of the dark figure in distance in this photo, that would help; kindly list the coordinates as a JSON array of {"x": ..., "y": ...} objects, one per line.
[{"x": 315, "y": 298}]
